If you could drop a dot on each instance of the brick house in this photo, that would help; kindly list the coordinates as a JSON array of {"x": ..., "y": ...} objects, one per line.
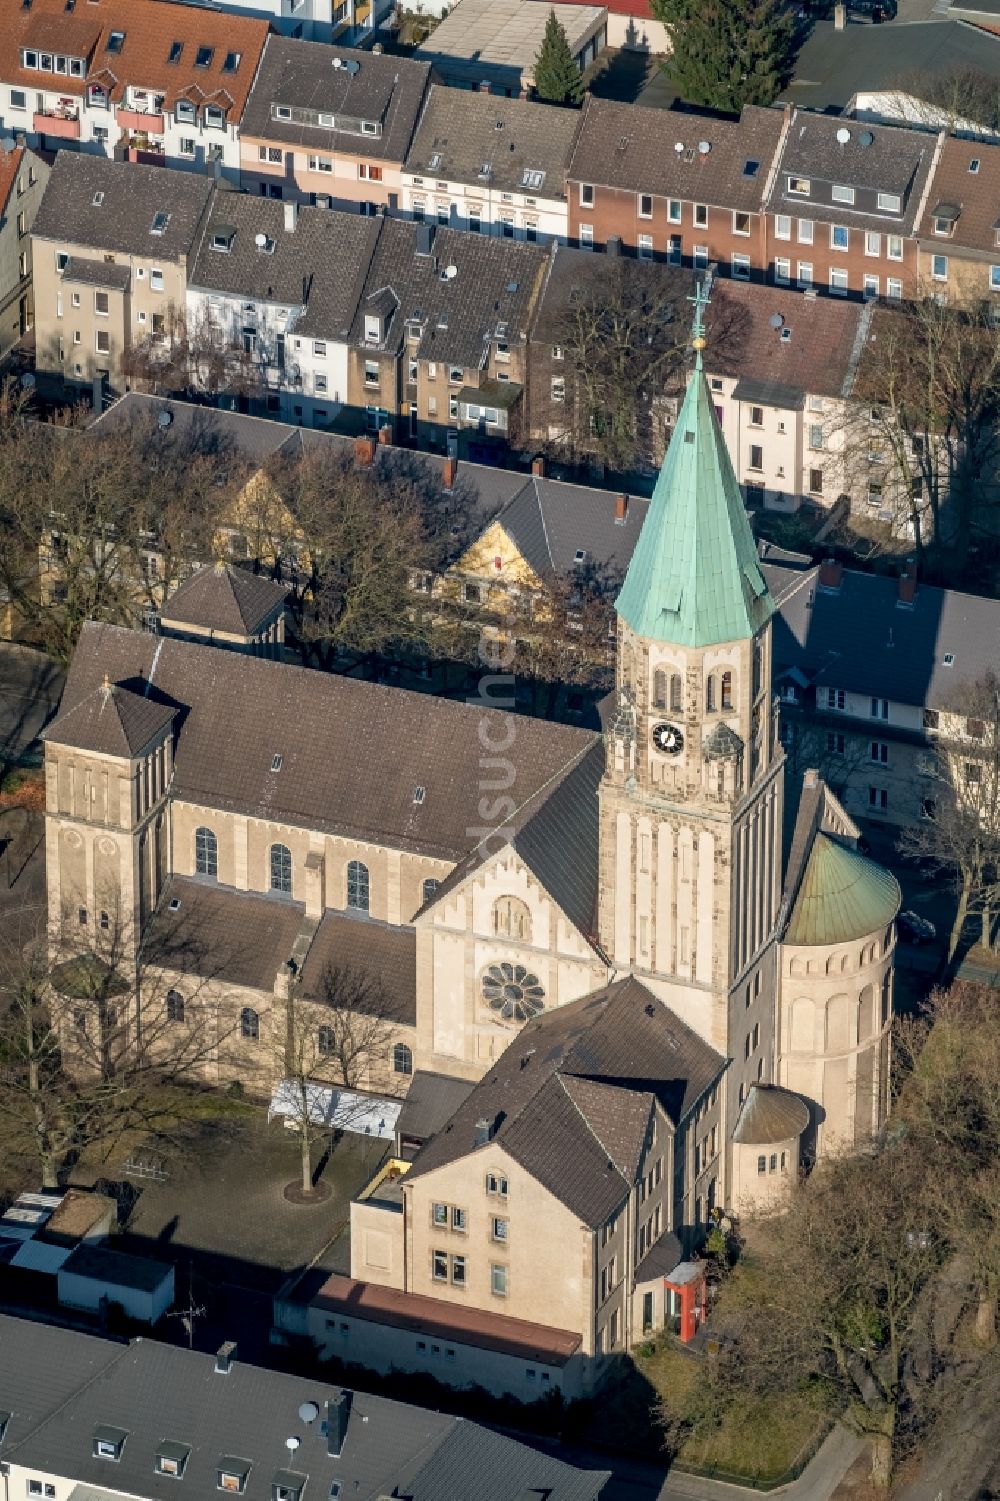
[{"x": 958, "y": 233}]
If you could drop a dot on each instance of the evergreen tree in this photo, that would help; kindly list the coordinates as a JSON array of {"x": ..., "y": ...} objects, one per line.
[
  {"x": 557, "y": 77},
  {"x": 727, "y": 53}
]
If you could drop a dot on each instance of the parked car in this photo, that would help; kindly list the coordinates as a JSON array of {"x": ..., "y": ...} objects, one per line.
[{"x": 912, "y": 928}]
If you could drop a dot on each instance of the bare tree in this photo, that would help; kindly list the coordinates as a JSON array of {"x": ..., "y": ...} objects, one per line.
[
  {"x": 563, "y": 630},
  {"x": 956, "y": 98},
  {"x": 339, "y": 1036},
  {"x": 959, "y": 836},
  {"x": 180, "y": 355}
]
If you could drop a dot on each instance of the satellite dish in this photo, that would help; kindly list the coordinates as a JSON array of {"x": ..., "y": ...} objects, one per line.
[
  {"x": 164, "y": 418},
  {"x": 843, "y": 135},
  {"x": 866, "y": 138},
  {"x": 27, "y": 381},
  {"x": 260, "y": 241},
  {"x": 291, "y": 1444},
  {"x": 352, "y": 67},
  {"x": 678, "y": 147},
  {"x": 777, "y": 320},
  {"x": 450, "y": 272},
  {"x": 704, "y": 147},
  {"x": 338, "y": 62},
  {"x": 309, "y": 1412},
  {"x": 7, "y": 142}
]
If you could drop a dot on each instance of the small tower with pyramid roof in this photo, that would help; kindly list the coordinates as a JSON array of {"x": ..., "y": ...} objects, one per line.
[{"x": 691, "y": 794}]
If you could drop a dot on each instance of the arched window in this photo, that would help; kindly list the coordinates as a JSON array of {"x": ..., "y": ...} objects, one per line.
[
  {"x": 281, "y": 868},
  {"x": 710, "y": 694},
  {"x": 357, "y": 886},
  {"x": 659, "y": 689},
  {"x": 402, "y": 1059},
  {"x": 430, "y": 886},
  {"x": 249, "y": 1024},
  {"x": 676, "y": 694},
  {"x": 206, "y": 853},
  {"x": 727, "y": 692},
  {"x": 325, "y": 1041},
  {"x": 175, "y": 1006},
  {"x": 511, "y": 918}
]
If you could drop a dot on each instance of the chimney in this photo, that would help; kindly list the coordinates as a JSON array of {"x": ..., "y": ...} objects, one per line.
[
  {"x": 613, "y": 246},
  {"x": 449, "y": 472},
  {"x": 483, "y": 1132},
  {"x": 364, "y": 451},
  {"x": 338, "y": 1411},
  {"x": 425, "y": 238},
  {"x": 908, "y": 583},
  {"x": 621, "y": 509},
  {"x": 385, "y": 435},
  {"x": 830, "y": 573},
  {"x": 810, "y": 778},
  {"x": 538, "y": 466},
  {"x": 839, "y": 16},
  {"x": 291, "y": 217},
  {"x": 225, "y": 1356}
]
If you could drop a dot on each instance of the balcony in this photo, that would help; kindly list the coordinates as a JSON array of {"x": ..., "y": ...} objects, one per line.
[
  {"x": 65, "y": 124},
  {"x": 149, "y": 124}
]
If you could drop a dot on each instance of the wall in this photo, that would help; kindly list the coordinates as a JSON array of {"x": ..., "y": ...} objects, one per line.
[
  {"x": 615, "y": 211},
  {"x": 291, "y": 178},
  {"x": 526, "y": 216},
  {"x": 756, "y": 1192},
  {"x": 16, "y": 293},
  {"x": 144, "y": 1305}
]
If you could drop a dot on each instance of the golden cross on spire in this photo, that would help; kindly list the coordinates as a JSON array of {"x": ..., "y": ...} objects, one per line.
[{"x": 700, "y": 298}]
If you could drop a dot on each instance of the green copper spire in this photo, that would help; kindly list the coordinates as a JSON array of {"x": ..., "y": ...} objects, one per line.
[{"x": 694, "y": 578}]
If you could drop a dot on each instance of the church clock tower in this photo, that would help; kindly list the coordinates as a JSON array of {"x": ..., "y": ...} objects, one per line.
[{"x": 690, "y": 800}]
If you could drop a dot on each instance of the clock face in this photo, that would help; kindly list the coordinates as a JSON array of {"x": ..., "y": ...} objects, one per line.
[{"x": 668, "y": 739}]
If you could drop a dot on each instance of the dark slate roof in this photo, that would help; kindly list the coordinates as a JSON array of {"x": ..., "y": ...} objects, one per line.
[
  {"x": 771, "y": 393},
  {"x": 898, "y": 160},
  {"x": 833, "y": 66},
  {"x": 661, "y": 1258},
  {"x": 550, "y": 522},
  {"x": 154, "y": 1392},
  {"x": 430, "y": 1101},
  {"x": 252, "y": 438},
  {"x": 112, "y": 721},
  {"x": 101, "y": 1264},
  {"x": 300, "y": 75},
  {"x": 770, "y": 1114},
  {"x": 316, "y": 722},
  {"x": 218, "y": 933},
  {"x": 467, "y": 131},
  {"x": 97, "y": 274},
  {"x": 223, "y": 598},
  {"x": 496, "y": 283},
  {"x": 628, "y": 146},
  {"x": 862, "y": 639},
  {"x": 318, "y": 266},
  {"x": 133, "y": 194},
  {"x": 376, "y": 953},
  {"x": 581, "y": 1142}
]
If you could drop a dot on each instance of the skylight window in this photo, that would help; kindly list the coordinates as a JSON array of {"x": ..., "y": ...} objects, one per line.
[
  {"x": 419, "y": 793},
  {"x": 531, "y": 178},
  {"x": 232, "y": 62},
  {"x": 974, "y": 164},
  {"x": 160, "y": 221},
  {"x": 949, "y": 659},
  {"x": 174, "y": 55},
  {"x": 203, "y": 57},
  {"x": 276, "y": 763},
  {"x": 751, "y": 167},
  {"x": 116, "y": 41},
  {"x": 98, "y": 199}
]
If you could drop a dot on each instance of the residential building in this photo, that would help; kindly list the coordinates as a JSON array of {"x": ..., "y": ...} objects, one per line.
[
  {"x": 674, "y": 186},
  {"x": 331, "y": 127},
  {"x": 843, "y": 204},
  {"x": 81, "y": 1412},
  {"x": 154, "y": 82},
  {"x": 491, "y": 165},
  {"x": 439, "y": 340},
  {"x": 280, "y": 285},
  {"x": 492, "y": 45},
  {"x": 23, "y": 176},
  {"x": 958, "y": 232},
  {"x": 311, "y": 20},
  {"x": 113, "y": 245}
]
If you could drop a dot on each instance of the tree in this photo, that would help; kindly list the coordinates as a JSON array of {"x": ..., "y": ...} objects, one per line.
[
  {"x": 838, "y": 1294},
  {"x": 956, "y": 98},
  {"x": 557, "y": 77},
  {"x": 727, "y": 53},
  {"x": 563, "y": 631},
  {"x": 183, "y": 356},
  {"x": 959, "y": 835},
  {"x": 90, "y": 1045},
  {"x": 338, "y": 1035},
  {"x": 949, "y": 1104}
]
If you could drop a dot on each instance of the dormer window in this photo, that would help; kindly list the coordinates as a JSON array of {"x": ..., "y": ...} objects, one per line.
[
  {"x": 373, "y": 328},
  {"x": 369, "y": 128},
  {"x": 116, "y": 41},
  {"x": 172, "y": 1458},
  {"x": 945, "y": 216},
  {"x": 222, "y": 238},
  {"x": 799, "y": 186},
  {"x": 841, "y": 194},
  {"x": 890, "y": 203},
  {"x": 287, "y": 1486},
  {"x": 185, "y": 110},
  {"x": 232, "y": 1475},
  {"x": 282, "y": 112},
  {"x": 109, "y": 1443}
]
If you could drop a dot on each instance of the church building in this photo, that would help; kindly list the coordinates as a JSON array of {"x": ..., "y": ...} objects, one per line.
[{"x": 612, "y": 933}]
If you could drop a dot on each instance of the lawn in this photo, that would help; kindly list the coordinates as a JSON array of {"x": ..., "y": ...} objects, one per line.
[{"x": 754, "y": 1439}]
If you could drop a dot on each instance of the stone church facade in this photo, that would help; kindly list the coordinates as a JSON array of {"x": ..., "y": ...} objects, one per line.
[{"x": 257, "y": 828}]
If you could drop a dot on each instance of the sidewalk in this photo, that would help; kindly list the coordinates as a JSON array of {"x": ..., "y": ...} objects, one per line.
[{"x": 817, "y": 1482}]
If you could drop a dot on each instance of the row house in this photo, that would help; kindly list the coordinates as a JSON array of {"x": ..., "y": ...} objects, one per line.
[
  {"x": 673, "y": 186},
  {"x": 330, "y": 126},
  {"x": 277, "y": 285},
  {"x": 144, "y": 81},
  {"x": 843, "y": 205},
  {"x": 113, "y": 245},
  {"x": 23, "y": 175},
  {"x": 491, "y": 165},
  {"x": 958, "y": 233},
  {"x": 438, "y": 345}
]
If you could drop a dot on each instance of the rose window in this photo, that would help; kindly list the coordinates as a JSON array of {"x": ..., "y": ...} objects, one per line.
[{"x": 512, "y": 992}]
